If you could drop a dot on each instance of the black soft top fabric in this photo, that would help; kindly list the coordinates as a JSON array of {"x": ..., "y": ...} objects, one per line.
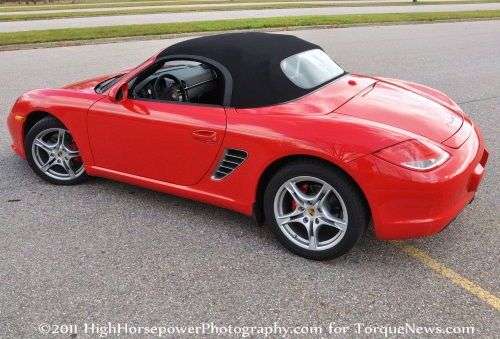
[{"x": 253, "y": 60}]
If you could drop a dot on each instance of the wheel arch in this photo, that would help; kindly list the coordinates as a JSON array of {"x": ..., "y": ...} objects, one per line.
[
  {"x": 35, "y": 123},
  {"x": 276, "y": 165},
  {"x": 35, "y": 116},
  {"x": 31, "y": 119}
]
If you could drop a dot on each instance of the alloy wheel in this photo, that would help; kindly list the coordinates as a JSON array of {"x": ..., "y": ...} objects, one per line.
[
  {"x": 310, "y": 213},
  {"x": 55, "y": 154}
]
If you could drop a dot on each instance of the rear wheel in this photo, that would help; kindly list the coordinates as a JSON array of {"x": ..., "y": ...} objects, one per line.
[
  {"x": 315, "y": 211},
  {"x": 52, "y": 153}
]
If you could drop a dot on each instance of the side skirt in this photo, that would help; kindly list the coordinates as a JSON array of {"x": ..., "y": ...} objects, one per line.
[{"x": 187, "y": 192}]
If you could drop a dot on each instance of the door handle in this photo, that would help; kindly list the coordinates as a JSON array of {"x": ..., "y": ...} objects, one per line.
[{"x": 205, "y": 135}]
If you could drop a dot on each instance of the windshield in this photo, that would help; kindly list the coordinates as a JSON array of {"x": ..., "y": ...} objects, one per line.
[{"x": 310, "y": 69}]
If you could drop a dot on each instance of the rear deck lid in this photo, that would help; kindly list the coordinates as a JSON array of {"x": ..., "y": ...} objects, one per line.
[{"x": 392, "y": 105}]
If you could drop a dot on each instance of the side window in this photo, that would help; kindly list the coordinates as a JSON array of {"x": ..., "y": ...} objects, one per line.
[{"x": 180, "y": 81}]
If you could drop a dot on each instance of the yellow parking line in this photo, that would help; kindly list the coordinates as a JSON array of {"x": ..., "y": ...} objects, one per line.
[{"x": 451, "y": 275}]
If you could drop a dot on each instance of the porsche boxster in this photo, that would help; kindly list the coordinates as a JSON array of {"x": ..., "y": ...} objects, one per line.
[{"x": 266, "y": 125}]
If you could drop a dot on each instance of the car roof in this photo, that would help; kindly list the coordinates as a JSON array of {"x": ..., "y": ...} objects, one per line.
[{"x": 252, "y": 60}]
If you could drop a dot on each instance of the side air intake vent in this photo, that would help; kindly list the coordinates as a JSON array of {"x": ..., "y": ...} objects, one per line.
[{"x": 232, "y": 159}]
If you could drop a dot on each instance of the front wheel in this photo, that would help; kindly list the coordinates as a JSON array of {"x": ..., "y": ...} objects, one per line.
[
  {"x": 52, "y": 153},
  {"x": 314, "y": 210}
]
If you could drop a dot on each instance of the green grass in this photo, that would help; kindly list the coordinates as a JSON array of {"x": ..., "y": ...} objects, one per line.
[
  {"x": 61, "y": 7},
  {"x": 71, "y": 2},
  {"x": 208, "y": 7},
  {"x": 64, "y": 2},
  {"x": 91, "y": 33},
  {"x": 59, "y": 15}
]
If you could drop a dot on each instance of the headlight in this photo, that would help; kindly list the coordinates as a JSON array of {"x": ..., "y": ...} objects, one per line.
[{"x": 417, "y": 155}]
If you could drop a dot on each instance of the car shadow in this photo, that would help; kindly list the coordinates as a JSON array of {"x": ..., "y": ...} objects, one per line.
[
  {"x": 226, "y": 221},
  {"x": 223, "y": 221}
]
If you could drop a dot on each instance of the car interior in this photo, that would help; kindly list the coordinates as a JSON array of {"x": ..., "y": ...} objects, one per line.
[{"x": 180, "y": 81}]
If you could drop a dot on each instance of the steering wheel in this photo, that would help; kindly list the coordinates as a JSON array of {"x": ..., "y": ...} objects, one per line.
[{"x": 160, "y": 89}]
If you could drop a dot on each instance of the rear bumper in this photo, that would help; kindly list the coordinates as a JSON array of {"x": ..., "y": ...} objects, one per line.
[{"x": 409, "y": 204}]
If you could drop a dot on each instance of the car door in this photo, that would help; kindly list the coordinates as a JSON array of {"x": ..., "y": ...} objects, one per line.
[{"x": 166, "y": 141}]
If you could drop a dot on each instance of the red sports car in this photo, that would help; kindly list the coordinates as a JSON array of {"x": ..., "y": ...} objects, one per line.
[{"x": 266, "y": 125}]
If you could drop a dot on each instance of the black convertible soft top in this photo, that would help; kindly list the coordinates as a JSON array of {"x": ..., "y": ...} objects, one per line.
[{"x": 253, "y": 61}]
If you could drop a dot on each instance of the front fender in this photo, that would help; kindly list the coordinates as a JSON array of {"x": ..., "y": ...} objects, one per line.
[{"x": 68, "y": 106}]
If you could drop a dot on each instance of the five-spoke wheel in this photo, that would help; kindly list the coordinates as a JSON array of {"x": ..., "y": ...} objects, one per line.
[
  {"x": 52, "y": 152},
  {"x": 311, "y": 213},
  {"x": 316, "y": 210}
]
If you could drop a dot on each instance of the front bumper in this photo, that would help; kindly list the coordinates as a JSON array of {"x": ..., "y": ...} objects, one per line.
[
  {"x": 409, "y": 204},
  {"x": 15, "y": 127}
]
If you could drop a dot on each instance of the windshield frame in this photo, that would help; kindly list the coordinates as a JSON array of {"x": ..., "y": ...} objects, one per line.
[{"x": 106, "y": 84}]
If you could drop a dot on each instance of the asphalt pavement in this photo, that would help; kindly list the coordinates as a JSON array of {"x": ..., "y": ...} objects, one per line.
[
  {"x": 115, "y": 20},
  {"x": 109, "y": 252}
]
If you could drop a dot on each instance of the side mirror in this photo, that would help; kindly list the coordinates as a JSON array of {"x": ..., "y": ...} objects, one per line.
[{"x": 120, "y": 94}]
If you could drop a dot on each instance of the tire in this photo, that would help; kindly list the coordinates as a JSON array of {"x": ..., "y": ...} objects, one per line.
[
  {"x": 327, "y": 227},
  {"x": 49, "y": 144}
]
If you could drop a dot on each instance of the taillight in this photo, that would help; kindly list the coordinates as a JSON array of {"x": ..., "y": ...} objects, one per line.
[{"x": 417, "y": 155}]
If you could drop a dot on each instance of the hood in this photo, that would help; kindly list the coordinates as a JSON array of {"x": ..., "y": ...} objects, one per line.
[{"x": 403, "y": 108}]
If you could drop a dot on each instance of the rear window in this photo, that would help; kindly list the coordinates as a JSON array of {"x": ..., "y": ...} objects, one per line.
[{"x": 310, "y": 69}]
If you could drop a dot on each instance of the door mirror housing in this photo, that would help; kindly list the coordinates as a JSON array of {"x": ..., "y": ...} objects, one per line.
[{"x": 120, "y": 94}]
